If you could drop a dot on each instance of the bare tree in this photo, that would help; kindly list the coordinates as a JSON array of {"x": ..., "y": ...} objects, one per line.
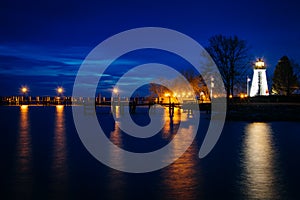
[
  {"x": 231, "y": 57},
  {"x": 197, "y": 82},
  {"x": 157, "y": 90}
]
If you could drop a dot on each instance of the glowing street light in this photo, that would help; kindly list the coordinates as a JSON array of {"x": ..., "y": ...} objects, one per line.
[
  {"x": 24, "y": 107},
  {"x": 202, "y": 96},
  {"x": 24, "y": 90},
  {"x": 248, "y": 80},
  {"x": 115, "y": 91},
  {"x": 169, "y": 96},
  {"x": 60, "y": 90},
  {"x": 212, "y": 85}
]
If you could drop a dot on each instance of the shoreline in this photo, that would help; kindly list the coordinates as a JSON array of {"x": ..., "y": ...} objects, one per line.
[
  {"x": 250, "y": 111},
  {"x": 264, "y": 112}
]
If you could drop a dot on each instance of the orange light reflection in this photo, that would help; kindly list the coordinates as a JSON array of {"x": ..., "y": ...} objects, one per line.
[
  {"x": 24, "y": 156},
  {"x": 59, "y": 166}
]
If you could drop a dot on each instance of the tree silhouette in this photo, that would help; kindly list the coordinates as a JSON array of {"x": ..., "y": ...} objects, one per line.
[
  {"x": 231, "y": 56},
  {"x": 196, "y": 81},
  {"x": 296, "y": 68},
  {"x": 284, "y": 78}
]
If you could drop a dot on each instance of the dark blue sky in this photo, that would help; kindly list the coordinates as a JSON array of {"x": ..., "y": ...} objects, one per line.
[{"x": 42, "y": 43}]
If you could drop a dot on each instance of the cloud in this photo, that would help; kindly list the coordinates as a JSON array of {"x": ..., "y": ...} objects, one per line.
[{"x": 43, "y": 68}]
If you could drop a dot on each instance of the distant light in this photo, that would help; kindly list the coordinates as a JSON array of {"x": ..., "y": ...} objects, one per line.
[
  {"x": 167, "y": 94},
  {"x": 59, "y": 107},
  {"x": 24, "y": 89},
  {"x": 230, "y": 96},
  {"x": 260, "y": 64},
  {"x": 24, "y": 107},
  {"x": 60, "y": 90},
  {"x": 115, "y": 90},
  {"x": 242, "y": 95}
]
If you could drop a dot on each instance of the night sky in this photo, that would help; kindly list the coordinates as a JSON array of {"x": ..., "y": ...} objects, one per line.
[{"x": 42, "y": 43}]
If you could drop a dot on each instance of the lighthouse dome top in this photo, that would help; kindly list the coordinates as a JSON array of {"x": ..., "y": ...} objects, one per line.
[{"x": 260, "y": 64}]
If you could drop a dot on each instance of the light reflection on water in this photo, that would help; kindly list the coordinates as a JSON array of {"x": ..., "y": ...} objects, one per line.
[
  {"x": 261, "y": 180},
  {"x": 23, "y": 175},
  {"x": 59, "y": 167},
  {"x": 181, "y": 177},
  {"x": 116, "y": 183},
  {"x": 116, "y": 138},
  {"x": 260, "y": 175},
  {"x": 171, "y": 120}
]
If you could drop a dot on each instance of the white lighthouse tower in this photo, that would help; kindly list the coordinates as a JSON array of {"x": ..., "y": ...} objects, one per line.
[{"x": 259, "y": 85}]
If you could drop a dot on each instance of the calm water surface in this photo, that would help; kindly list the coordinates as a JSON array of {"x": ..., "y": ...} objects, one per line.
[{"x": 43, "y": 158}]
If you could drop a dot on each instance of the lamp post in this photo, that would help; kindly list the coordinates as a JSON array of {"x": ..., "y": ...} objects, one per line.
[
  {"x": 248, "y": 81},
  {"x": 201, "y": 97},
  {"x": 59, "y": 91},
  {"x": 116, "y": 92},
  {"x": 212, "y": 85},
  {"x": 24, "y": 91}
]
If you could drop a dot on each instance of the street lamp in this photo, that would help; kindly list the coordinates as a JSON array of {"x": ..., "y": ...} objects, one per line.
[
  {"x": 248, "y": 80},
  {"x": 59, "y": 91},
  {"x": 201, "y": 96},
  {"x": 212, "y": 85},
  {"x": 24, "y": 91},
  {"x": 115, "y": 90}
]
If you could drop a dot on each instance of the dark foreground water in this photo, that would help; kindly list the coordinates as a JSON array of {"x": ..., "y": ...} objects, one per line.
[{"x": 42, "y": 157}]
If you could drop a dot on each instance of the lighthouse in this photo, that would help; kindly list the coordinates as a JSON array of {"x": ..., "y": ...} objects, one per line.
[{"x": 259, "y": 85}]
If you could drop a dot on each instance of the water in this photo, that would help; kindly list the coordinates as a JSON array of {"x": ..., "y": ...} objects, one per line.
[{"x": 43, "y": 158}]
